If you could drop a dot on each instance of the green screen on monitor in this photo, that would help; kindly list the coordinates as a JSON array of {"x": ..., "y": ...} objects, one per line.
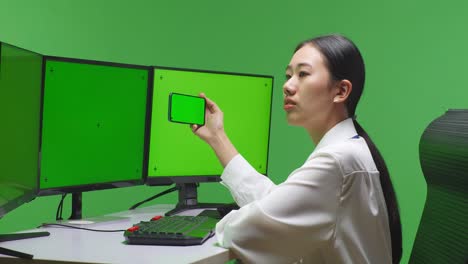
[
  {"x": 20, "y": 98},
  {"x": 246, "y": 103},
  {"x": 93, "y": 130}
]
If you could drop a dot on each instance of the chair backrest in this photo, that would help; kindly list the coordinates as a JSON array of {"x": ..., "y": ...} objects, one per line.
[{"x": 443, "y": 152}]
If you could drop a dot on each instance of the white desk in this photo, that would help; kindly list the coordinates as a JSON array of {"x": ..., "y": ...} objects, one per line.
[{"x": 73, "y": 245}]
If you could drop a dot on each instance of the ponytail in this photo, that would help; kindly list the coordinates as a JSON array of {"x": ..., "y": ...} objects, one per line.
[
  {"x": 344, "y": 62},
  {"x": 389, "y": 195}
]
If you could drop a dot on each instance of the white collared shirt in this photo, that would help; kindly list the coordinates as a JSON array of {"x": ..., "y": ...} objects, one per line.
[{"x": 330, "y": 210}]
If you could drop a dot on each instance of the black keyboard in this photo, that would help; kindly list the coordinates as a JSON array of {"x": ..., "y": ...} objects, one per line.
[{"x": 173, "y": 230}]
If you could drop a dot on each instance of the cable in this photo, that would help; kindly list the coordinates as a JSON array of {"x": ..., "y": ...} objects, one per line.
[
  {"x": 61, "y": 207},
  {"x": 82, "y": 228},
  {"x": 154, "y": 197},
  {"x": 58, "y": 215}
]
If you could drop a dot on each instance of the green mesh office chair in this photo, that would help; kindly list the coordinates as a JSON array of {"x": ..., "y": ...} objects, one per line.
[{"x": 443, "y": 152}]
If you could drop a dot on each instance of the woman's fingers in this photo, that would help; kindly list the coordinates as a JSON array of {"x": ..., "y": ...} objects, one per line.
[{"x": 210, "y": 104}]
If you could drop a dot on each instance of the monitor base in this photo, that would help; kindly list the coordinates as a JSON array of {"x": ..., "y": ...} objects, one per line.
[
  {"x": 182, "y": 207},
  {"x": 13, "y": 253},
  {"x": 188, "y": 199},
  {"x": 11, "y": 237}
]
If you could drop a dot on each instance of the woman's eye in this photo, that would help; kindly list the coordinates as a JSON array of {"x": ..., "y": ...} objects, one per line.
[
  {"x": 288, "y": 76},
  {"x": 303, "y": 73}
]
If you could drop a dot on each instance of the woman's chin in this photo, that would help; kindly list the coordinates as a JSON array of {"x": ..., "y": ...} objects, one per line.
[{"x": 292, "y": 120}]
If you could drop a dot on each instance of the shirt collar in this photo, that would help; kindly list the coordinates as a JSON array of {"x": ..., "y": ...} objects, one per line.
[{"x": 340, "y": 132}]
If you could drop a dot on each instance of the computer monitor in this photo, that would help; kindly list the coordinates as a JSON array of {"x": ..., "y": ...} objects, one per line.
[
  {"x": 20, "y": 97},
  {"x": 176, "y": 155},
  {"x": 93, "y": 126},
  {"x": 20, "y": 89}
]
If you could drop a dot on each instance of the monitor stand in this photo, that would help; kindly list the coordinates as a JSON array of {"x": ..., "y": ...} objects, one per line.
[
  {"x": 188, "y": 199},
  {"x": 77, "y": 206},
  {"x": 11, "y": 237}
]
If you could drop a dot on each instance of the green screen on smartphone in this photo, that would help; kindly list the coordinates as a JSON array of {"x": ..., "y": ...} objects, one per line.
[
  {"x": 245, "y": 100},
  {"x": 186, "y": 109}
]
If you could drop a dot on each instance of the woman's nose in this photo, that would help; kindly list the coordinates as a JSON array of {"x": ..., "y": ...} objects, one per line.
[{"x": 288, "y": 88}]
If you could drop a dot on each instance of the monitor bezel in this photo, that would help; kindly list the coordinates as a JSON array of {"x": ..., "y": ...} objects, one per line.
[
  {"x": 101, "y": 185},
  {"x": 30, "y": 195},
  {"x": 169, "y": 180}
]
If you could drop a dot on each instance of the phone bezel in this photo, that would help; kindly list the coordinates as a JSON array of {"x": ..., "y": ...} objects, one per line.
[{"x": 186, "y": 95}]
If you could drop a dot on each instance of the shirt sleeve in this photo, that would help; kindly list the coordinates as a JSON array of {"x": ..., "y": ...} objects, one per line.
[
  {"x": 244, "y": 182},
  {"x": 290, "y": 221}
]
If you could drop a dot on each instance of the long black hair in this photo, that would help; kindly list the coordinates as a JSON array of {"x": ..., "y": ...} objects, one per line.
[{"x": 344, "y": 61}]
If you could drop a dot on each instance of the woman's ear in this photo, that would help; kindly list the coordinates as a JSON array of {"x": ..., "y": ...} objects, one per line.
[{"x": 343, "y": 90}]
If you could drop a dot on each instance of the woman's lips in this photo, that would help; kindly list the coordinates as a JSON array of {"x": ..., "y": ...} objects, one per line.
[
  {"x": 288, "y": 107},
  {"x": 289, "y": 104}
]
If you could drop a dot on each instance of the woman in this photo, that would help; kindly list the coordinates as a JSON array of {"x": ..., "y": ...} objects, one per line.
[{"x": 340, "y": 206}]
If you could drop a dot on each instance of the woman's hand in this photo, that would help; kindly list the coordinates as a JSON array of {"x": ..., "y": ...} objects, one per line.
[
  {"x": 214, "y": 122},
  {"x": 213, "y": 132}
]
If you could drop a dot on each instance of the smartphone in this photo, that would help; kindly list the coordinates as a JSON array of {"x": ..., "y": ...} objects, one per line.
[{"x": 186, "y": 109}]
